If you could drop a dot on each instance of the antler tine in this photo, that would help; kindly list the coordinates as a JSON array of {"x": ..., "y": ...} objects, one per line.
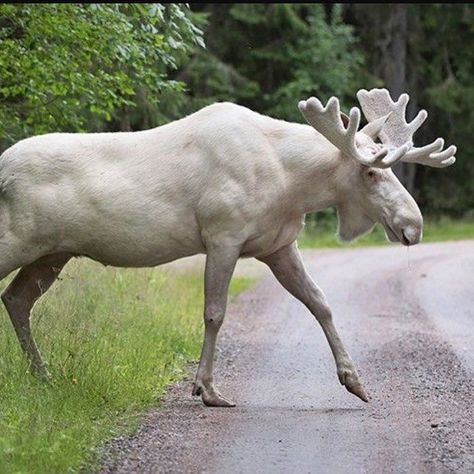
[
  {"x": 354, "y": 122},
  {"x": 377, "y": 102},
  {"x": 327, "y": 120},
  {"x": 431, "y": 155}
]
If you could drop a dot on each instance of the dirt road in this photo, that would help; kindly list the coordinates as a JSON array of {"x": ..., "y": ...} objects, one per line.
[{"x": 408, "y": 322}]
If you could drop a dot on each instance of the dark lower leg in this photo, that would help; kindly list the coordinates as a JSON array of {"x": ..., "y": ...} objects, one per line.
[{"x": 19, "y": 297}]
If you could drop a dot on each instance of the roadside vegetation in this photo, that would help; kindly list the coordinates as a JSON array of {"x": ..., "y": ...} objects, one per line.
[{"x": 114, "y": 339}]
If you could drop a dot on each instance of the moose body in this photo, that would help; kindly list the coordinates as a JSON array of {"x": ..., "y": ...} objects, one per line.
[
  {"x": 224, "y": 181},
  {"x": 139, "y": 199}
]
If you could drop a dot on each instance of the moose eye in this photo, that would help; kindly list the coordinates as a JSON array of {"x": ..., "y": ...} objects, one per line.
[{"x": 371, "y": 174}]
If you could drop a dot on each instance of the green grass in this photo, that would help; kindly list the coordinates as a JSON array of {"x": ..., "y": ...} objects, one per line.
[
  {"x": 324, "y": 236},
  {"x": 114, "y": 339}
]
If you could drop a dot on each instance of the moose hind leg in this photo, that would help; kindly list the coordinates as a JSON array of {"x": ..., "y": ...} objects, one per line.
[
  {"x": 287, "y": 266},
  {"x": 21, "y": 294}
]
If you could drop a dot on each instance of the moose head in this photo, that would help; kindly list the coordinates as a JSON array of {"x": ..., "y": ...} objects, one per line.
[{"x": 368, "y": 190}]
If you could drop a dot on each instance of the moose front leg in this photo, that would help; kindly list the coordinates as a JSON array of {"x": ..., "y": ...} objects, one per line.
[
  {"x": 220, "y": 264},
  {"x": 287, "y": 266}
]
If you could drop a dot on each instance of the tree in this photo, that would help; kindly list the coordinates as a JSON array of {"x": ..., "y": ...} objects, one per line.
[
  {"x": 446, "y": 68},
  {"x": 385, "y": 34},
  {"x": 426, "y": 50},
  {"x": 269, "y": 56},
  {"x": 70, "y": 67}
]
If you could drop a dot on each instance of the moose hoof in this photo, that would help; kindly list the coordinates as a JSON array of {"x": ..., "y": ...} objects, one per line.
[
  {"x": 211, "y": 397},
  {"x": 41, "y": 373},
  {"x": 350, "y": 380},
  {"x": 358, "y": 390}
]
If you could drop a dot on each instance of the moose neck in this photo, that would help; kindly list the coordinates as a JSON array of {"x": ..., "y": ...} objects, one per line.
[{"x": 312, "y": 164}]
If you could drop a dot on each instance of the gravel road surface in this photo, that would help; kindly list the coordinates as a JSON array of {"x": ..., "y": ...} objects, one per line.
[{"x": 407, "y": 318}]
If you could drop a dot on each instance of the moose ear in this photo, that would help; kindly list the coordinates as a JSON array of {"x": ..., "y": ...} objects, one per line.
[{"x": 373, "y": 128}]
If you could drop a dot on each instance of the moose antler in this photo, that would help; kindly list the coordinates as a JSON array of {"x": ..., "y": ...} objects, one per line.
[
  {"x": 327, "y": 120},
  {"x": 377, "y": 103}
]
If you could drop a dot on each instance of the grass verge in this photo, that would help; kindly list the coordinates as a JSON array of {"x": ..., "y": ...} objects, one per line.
[
  {"x": 324, "y": 236},
  {"x": 114, "y": 339}
]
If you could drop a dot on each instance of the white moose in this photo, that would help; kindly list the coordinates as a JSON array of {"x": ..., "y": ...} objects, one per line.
[{"x": 224, "y": 181}]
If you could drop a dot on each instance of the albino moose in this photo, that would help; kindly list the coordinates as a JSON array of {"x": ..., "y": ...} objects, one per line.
[{"x": 224, "y": 181}]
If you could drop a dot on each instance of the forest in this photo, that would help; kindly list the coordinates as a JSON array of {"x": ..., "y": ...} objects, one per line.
[{"x": 111, "y": 67}]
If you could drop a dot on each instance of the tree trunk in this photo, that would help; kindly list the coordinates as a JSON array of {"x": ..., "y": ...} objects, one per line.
[
  {"x": 125, "y": 125},
  {"x": 384, "y": 32}
]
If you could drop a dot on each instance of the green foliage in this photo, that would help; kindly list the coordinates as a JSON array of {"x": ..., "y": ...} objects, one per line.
[
  {"x": 446, "y": 70},
  {"x": 269, "y": 56},
  {"x": 114, "y": 339},
  {"x": 323, "y": 61},
  {"x": 68, "y": 67}
]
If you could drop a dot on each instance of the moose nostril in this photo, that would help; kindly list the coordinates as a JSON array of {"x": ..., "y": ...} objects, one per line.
[
  {"x": 410, "y": 235},
  {"x": 405, "y": 239}
]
